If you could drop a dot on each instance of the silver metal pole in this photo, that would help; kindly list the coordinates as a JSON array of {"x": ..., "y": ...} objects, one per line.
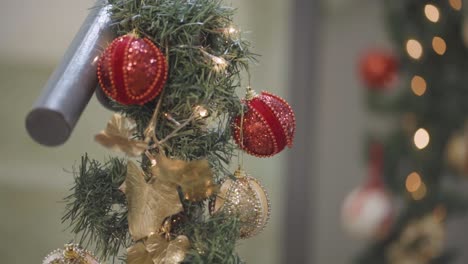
[
  {"x": 70, "y": 87},
  {"x": 298, "y": 222}
]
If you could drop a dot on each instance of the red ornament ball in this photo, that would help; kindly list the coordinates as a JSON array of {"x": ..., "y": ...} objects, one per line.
[
  {"x": 268, "y": 126},
  {"x": 132, "y": 70},
  {"x": 378, "y": 69}
]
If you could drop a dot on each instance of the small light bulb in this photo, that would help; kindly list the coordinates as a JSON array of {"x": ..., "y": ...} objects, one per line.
[
  {"x": 413, "y": 182},
  {"x": 201, "y": 111},
  {"x": 456, "y": 4},
  {"x": 439, "y": 45},
  {"x": 231, "y": 31},
  {"x": 421, "y": 138},
  {"x": 414, "y": 49},
  {"x": 220, "y": 64},
  {"x": 432, "y": 13},
  {"x": 420, "y": 193},
  {"x": 418, "y": 85}
]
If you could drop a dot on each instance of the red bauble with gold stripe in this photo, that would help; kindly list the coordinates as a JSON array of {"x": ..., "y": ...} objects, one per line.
[
  {"x": 268, "y": 125},
  {"x": 132, "y": 70}
]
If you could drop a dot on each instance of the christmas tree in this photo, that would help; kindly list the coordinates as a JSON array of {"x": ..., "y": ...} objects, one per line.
[
  {"x": 171, "y": 76},
  {"x": 421, "y": 159}
]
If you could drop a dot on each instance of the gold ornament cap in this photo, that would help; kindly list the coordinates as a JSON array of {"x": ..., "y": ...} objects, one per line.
[{"x": 70, "y": 254}]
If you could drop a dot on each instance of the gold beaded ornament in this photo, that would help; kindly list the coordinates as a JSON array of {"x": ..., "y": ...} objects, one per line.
[
  {"x": 246, "y": 198},
  {"x": 70, "y": 254}
]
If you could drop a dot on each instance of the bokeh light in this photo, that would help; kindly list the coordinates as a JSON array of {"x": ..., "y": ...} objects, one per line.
[
  {"x": 432, "y": 13},
  {"x": 456, "y": 4},
  {"x": 414, "y": 49},
  {"x": 439, "y": 45},
  {"x": 420, "y": 193},
  {"x": 418, "y": 85},
  {"x": 421, "y": 138},
  {"x": 413, "y": 182}
]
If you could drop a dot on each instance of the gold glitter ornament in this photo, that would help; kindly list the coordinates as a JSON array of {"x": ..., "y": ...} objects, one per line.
[
  {"x": 245, "y": 198},
  {"x": 70, "y": 254},
  {"x": 421, "y": 241}
]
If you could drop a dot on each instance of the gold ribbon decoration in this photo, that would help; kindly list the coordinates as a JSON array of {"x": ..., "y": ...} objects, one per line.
[
  {"x": 194, "y": 177},
  {"x": 149, "y": 203},
  {"x": 118, "y": 136},
  {"x": 157, "y": 250}
]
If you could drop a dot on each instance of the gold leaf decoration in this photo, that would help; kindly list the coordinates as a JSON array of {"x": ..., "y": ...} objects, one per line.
[
  {"x": 148, "y": 203},
  {"x": 421, "y": 241},
  {"x": 137, "y": 254},
  {"x": 117, "y": 136},
  {"x": 157, "y": 250},
  {"x": 194, "y": 177}
]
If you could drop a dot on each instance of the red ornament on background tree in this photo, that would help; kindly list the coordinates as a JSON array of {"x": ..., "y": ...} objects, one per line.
[
  {"x": 368, "y": 211},
  {"x": 267, "y": 127},
  {"x": 378, "y": 69},
  {"x": 132, "y": 70}
]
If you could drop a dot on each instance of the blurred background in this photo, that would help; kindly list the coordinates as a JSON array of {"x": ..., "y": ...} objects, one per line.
[{"x": 34, "y": 179}]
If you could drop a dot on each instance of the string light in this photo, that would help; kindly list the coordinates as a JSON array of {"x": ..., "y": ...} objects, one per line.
[
  {"x": 456, "y": 4},
  {"x": 220, "y": 64},
  {"x": 439, "y": 45},
  {"x": 420, "y": 193},
  {"x": 201, "y": 111},
  {"x": 414, "y": 49},
  {"x": 415, "y": 186},
  {"x": 418, "y": 85},
  {"x": 231, "y": 31},
  {"x": 421, "y": 138},
  {"x": 413, "y": 182},
  {"x": 170, "y": 118},
  {"x": 432, "y": 13}
]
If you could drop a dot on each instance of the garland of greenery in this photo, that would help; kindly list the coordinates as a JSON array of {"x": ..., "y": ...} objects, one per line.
[{"x": 191, "y": 34}]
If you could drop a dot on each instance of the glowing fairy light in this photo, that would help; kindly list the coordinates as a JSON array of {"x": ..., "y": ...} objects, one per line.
[
  {"x": 420, "y": 193},
  {"x": 418, "y": 85},
  {"x": 219, "y": 63},
  {"x": 413, "y": 182},
  {"x": 231, "y": 31},
  {"x": 432, "y": 13},
  {"x": 421, "y": 138},
  {"x": 415, "y": 186},
  {"x": 201, "y": 111},
  {"x": 456, "y": 4},
  {"x": 439, "y": 45},
  {"x": 414, "y": 49}
]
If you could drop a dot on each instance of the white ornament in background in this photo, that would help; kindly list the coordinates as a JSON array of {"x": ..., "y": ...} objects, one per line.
[{"x": 367, "y": 213}]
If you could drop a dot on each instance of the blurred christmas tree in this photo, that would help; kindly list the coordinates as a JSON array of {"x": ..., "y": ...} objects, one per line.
[{"x": 418, "y": 163}]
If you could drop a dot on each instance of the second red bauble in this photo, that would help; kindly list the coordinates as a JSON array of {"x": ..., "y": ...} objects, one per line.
[
  {"x": 378, "y": 69},
  {"x": 132, "y": 70},
  {"x": 268, "y": 125}
]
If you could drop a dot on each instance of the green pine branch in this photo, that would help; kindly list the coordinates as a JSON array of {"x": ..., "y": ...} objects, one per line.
[{"x": 96, "y": 208}]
